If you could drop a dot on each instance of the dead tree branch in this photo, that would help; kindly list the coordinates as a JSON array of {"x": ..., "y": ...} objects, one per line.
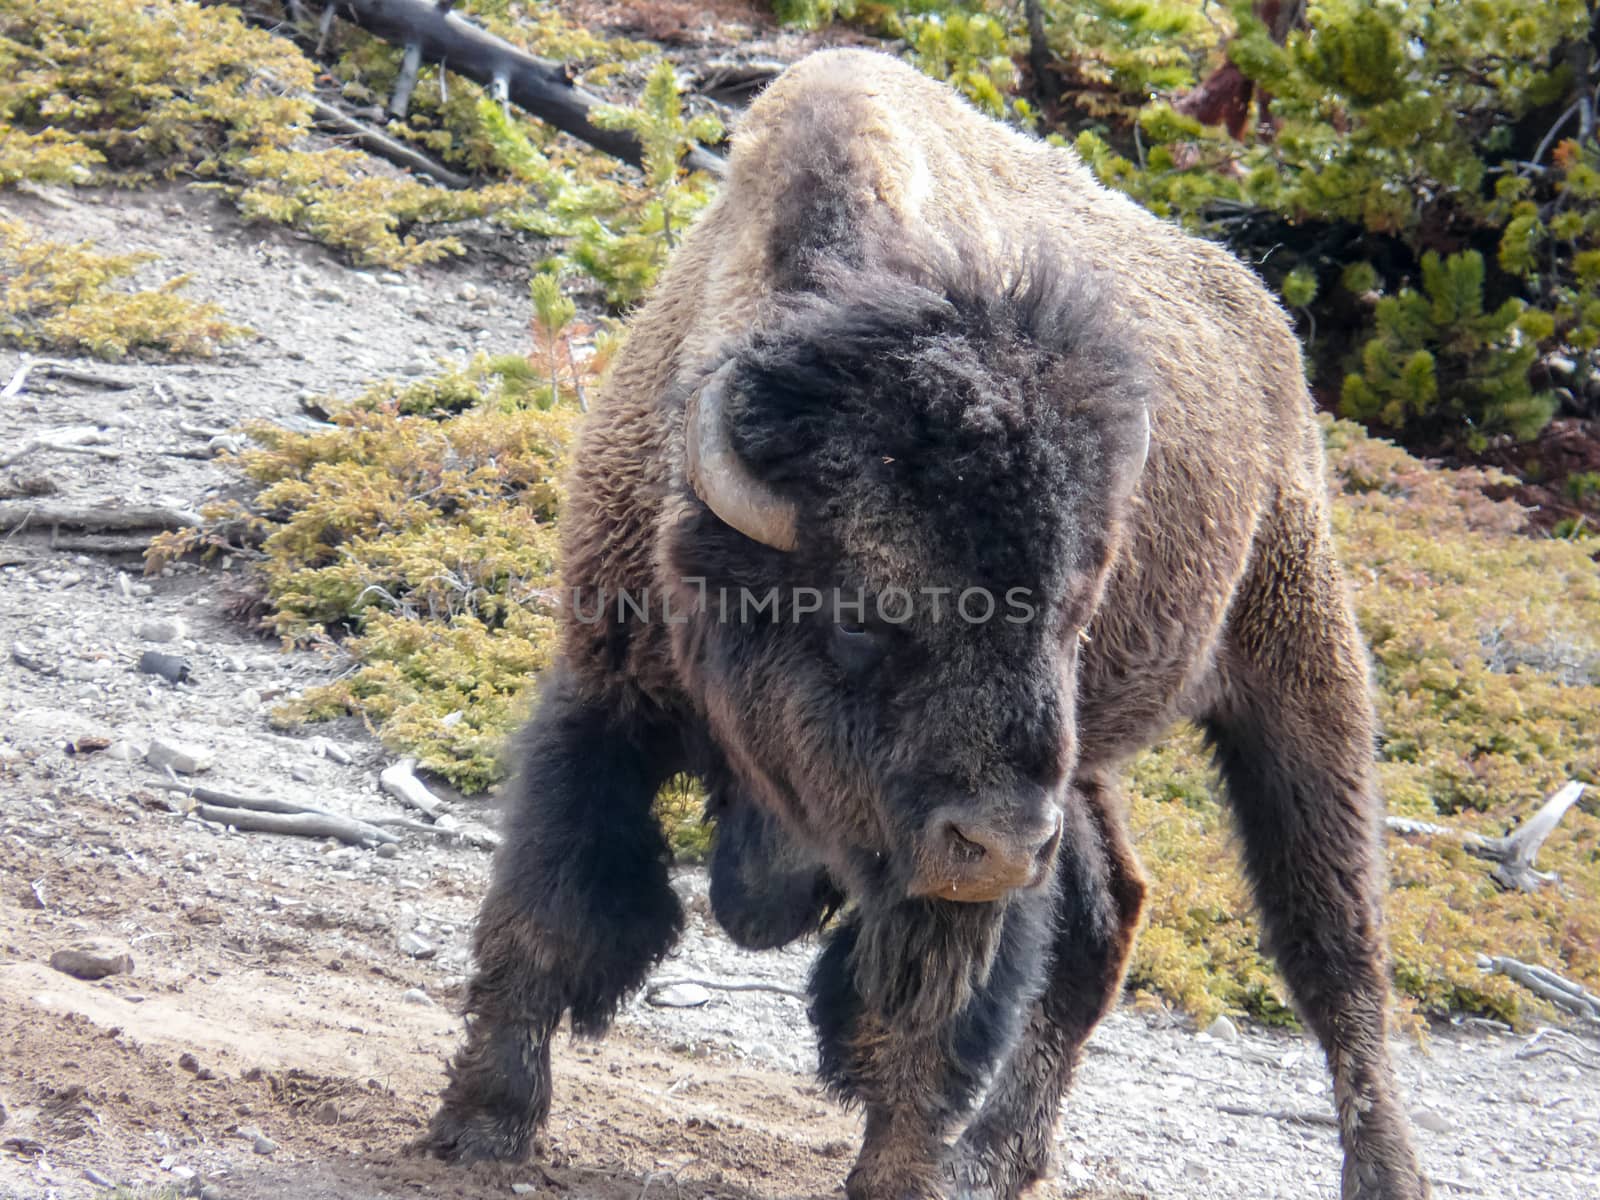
[
  {"x": 15, "y": 514},
  {"x": 375, "y": 141},
  {"x": 1513, "y": 854},
  {"x": 716, "y": 986},
  {"x": 1547, "y": 985},
  {"x": 539, "y": 87},
  {"x": 1279, "y": 1114},
  {"x": 482, "y": 839},
  {"x": 300, "y": 824},
  {"x": 59, "y": 370},
  {"x": 401, "y": 782}
]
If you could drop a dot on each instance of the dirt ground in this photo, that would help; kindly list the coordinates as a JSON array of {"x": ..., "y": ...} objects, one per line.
[{"x": 274, "y": 1039}]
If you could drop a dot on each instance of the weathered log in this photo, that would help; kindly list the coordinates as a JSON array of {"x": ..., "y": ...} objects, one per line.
[
  {"x": 401, "y": 782},
  {"x": 535, "y": 85},
  {"x": 300, "y": 824},
  {"x": 41, "y": 514},
  {"x": 1514, "y": 854},
  {"x": 1546, "y": 984}
]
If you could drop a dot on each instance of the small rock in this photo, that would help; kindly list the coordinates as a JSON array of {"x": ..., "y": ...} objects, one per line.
[
  {"x": 420, "y": 365},
  {"x": 163, "y": 629},
  {"x": 92, "y": 960},
  {"x": 1195, "y": 1169},
  {"x": 1433, "y": 1122},
  {"x": 250, "y": 697},
  {"x": 123, "y": 750},
  {"x": 387, "y": 850},
  {"x": 326, "y": 1113},
  {"x": 302, "y": 772},
  {"x": 416, "y": 996},
  {"x": 262, "y": 1144},
  {"x": 185, "y": 760},
  {"x": 330, "y": 293},
  {"x": 416, "y": 945},
  {"x": 1223, "y": 1030},
  {"x": 99, "y": 1180},
  {"x": 467, "y": 292},
  {"x": 679, "y": 995},
  {"x": 523, "y": 1189},
  {"x": 171, "y": 667},
  {"x": 211, "y": 1191},
  {"x": 189, "y": 1063}
]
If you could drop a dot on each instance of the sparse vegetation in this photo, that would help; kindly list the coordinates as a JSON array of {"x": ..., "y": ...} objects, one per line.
[{"x": 60, "y": 296}]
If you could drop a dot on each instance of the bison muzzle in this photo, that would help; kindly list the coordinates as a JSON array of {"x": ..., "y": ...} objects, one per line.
[{"x": 935, "y": 481}]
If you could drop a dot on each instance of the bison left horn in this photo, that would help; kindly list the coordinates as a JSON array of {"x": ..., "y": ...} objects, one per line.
[{"x": 721, "y": 478}]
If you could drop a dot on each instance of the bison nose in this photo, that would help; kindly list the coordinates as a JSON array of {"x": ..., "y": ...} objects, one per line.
[{"x": 973, "y": 859}]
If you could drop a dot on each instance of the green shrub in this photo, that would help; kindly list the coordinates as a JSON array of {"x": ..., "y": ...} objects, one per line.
[
  {"x": 59, "y": 296},
  {"x": 1367, "y": 138}
]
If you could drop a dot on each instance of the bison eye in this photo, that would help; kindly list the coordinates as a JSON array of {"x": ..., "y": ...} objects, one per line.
[{"x": 855, "y": 648}]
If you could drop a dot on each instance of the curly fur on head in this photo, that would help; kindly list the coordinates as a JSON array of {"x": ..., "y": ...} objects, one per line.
[{"x": 1001, "y": 406}]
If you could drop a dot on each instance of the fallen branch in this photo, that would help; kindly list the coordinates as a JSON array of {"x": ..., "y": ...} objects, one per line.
[
  {"x": 375, "y": 141},
  {"x": 1546, "y": 984},
  {"x": 14, "y": 514},
  {"x": 1280, "y": 1114},
  {"x": 539, "y": 87},
  {"x": 59, "y": 370},
  {"x": 482, "y": 839},
  {"x": 715, "y": 986},
  {"x": 401, "y": 782},
  {"x": 1514, "y": 853},
  {"x": 1537, "y": 1045},
  {"x": 77, "y": 439},
  {"x": 302, "y": 824},
  {"x": 90, "y": 544},
  {"x": 232, "y": 800}
]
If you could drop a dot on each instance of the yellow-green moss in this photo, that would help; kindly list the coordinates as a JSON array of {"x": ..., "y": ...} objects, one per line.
[{"x": 60, "y": 295}]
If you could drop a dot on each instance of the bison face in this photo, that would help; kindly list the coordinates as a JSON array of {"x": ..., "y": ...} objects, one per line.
[{"x": 900, "y": 504}]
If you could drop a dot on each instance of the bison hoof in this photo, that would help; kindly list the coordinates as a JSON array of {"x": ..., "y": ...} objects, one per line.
[
  {"x": 983, "y": 1167},
  {"x": 459, "y": 1137}
]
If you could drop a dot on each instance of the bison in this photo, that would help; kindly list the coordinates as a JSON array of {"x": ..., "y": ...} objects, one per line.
[{"x": 933, "y": 482}]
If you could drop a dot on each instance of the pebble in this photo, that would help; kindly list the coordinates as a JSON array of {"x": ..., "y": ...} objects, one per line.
[
  {"x": 1223, "y": 1030},
  {"x": 92, "y": 960},
  {"x": 186, "y": 760},
  {"x": 416, "y": 996},
  {"x": 211, "y": 1191},
  {"x": 96, "y": 1178},
  {"x": 679, "y": 995},
  {"x": 163, "y": 629},
  {"x": 420, "y": 365},
  {"x": 262, "y": 1144},
  {"x": 330, "y": 293},
  {"x": 387, "y": 850},
  {"x": 1433, "y": 1122},
  {"x": 523, "y": 1189},
  {"x": 302, "y": 773},
  {"x": 468, "y": 292},
  {"x": 327, "y": 1113},
  {"x": 123, "y": 750},
  {"x": 416, "y": 945}
]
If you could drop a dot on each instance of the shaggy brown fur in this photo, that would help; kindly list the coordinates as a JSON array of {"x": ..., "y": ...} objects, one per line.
[{"x": 945, "y": 339}]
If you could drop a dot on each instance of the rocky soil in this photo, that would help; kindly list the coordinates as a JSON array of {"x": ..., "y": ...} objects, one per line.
[{"x": 282, "y": 1026}]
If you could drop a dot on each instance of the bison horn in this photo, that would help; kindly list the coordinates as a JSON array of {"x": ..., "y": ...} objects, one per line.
[{"x": 721, "y": 478}]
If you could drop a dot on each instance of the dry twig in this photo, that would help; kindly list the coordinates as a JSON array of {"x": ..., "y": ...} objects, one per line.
[{"x": 1513, "y": 854}]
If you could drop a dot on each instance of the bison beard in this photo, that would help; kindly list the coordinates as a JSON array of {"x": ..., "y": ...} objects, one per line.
[{"x": 908, "y": 348}]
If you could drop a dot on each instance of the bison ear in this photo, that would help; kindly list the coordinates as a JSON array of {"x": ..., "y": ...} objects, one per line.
[{"x": 722, "y": 479}]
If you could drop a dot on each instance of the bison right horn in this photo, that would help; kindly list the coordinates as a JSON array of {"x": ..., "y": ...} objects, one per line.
[{"x": 721, "y": 478}]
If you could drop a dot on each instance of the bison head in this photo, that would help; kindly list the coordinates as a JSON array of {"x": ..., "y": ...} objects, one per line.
[{"x": 900, "y": 502}]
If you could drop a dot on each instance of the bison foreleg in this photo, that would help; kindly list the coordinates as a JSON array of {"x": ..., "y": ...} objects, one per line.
[
  {"x": 913, "y": 1007},
  {"x": 578, "y": 911},
  {"x": 1100, "y": 893}
]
